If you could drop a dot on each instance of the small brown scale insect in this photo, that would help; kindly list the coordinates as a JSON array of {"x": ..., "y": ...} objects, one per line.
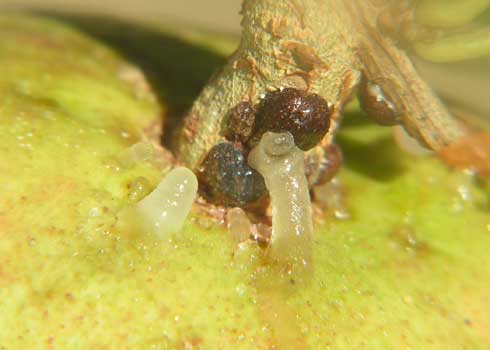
[
  {"x": 225, "y": 176},
  {"x": 376, "y": 101}
]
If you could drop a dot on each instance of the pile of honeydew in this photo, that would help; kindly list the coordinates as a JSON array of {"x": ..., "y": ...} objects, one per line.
[{"x": 163, "y": 212}]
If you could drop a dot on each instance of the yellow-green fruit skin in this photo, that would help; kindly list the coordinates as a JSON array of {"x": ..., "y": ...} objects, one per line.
[{"x": 408, "y": 270}]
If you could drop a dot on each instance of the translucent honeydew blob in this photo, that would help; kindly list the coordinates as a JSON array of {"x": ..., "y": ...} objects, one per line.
[
  {"x": 281, "y": 164},
  {"x": 136, "y": 153},
  {"x": 144, "y": 152},
  {"x": 165, "y": 209},
  {"x": 239, "y": 225}
]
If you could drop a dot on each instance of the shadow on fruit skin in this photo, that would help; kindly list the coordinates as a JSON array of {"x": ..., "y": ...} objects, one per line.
[
  {"x": 378, "y": 159},
  {"x": 177, "y": 70}
]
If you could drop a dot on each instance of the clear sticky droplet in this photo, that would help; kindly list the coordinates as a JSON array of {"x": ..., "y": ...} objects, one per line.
[
  {"x": 136, "y": 153},
  {"x": 238, "y": 225}
]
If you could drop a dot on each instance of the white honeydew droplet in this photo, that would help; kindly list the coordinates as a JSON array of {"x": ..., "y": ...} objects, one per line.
[
  {"x": 281, "y": 164},
  {"x": 165, "y": 209}
]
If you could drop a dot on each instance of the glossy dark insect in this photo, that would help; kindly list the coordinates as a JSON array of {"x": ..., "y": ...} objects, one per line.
[
  {"x": 305, "y": 116},
  {"x": 227, "y": 179},
  {"x": 378, "y": 102}
]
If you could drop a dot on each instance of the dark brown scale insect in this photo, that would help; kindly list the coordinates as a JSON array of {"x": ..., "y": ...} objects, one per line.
[
  {"x": 227, "y": 179},
  {"x": 239, "y": 124},
  {"x": 305, "y": 116},
  {"x": 376, "y": 101}
]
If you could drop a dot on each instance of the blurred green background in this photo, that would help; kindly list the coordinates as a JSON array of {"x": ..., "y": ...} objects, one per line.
[{"x": 216, "y": 14}]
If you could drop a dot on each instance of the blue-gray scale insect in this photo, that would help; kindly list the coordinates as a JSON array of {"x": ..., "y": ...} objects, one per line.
[
  {"x": 225, "y": 176},
  {"x": 228, "y": 180}
]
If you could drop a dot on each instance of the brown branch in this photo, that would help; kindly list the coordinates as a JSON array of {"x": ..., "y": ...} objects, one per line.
[{"x": 326, "y": 46}]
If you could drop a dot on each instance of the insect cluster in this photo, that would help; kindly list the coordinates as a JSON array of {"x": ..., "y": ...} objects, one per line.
[{"x": 225, "y": 176}]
